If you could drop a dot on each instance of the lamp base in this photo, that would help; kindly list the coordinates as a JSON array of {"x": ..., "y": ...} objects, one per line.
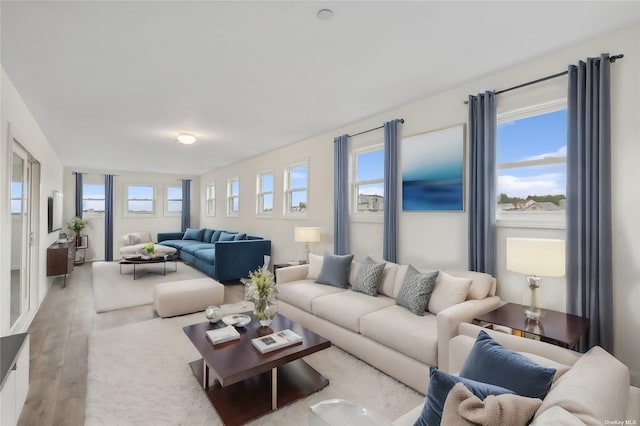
[
  {"x": 532, "y": 300},
  {"x": 533, "y": 313}
]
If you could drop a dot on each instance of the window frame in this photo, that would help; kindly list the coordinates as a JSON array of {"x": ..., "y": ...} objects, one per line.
[
  {"x": 260, "y": 193},
  {"x": 539, "y": 220},
  {"x": 210, "y": 196},
  {"x": 288, "y": 191},
  {"x": 354, "y": 184},
  {"x": 130, "y": 213},
  {"x": 231, "y": 197},
  {"x": 167, "y": 212},
  {"x": 95, "y": 182}
]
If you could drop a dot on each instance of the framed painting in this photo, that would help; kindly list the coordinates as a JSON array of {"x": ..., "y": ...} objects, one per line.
[{"x": 433, "y": 170}]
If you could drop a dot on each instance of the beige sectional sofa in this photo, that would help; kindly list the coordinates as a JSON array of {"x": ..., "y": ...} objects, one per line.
[
  {"x": 593, "y": 390},
  {"x": 375, "y": 329}
]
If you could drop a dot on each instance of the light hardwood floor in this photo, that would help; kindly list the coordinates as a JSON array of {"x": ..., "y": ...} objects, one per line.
[{"x": 59, "y": 347}]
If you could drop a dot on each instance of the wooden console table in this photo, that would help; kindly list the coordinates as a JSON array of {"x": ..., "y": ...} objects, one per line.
[
  {"x": 61, "y": 256},
  {"x": 554, "y": 327}
]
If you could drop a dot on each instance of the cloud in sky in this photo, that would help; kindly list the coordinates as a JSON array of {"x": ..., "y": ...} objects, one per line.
[
  {"x": 561, "y": 152},
  {"x": 545, "y": 184}
]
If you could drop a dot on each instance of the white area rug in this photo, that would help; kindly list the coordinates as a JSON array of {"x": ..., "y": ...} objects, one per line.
[
  {"x": 112, "y": 290},
  {"x": 139, "y": 374}
]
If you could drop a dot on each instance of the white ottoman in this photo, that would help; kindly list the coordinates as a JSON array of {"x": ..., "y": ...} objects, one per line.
[{"x": 184, "y": 297}]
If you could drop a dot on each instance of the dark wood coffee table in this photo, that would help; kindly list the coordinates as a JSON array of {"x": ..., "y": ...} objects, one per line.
[
  {"x": 248, "y": 384},
  {"x": 138, "y": 260},
  {"x": 554, "y": 327}
]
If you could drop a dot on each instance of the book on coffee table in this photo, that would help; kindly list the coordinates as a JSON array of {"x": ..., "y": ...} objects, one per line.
[
  {"x": 224, "y": 334},
  {"x": 277, "y": 340}
]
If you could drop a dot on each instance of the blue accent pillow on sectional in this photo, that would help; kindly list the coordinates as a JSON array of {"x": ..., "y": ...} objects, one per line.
[
  {"x": 515, "y": 371},
  {"x": 216, "y": 236},
  {"x": 440, "y": 383},
  {"x": 226, "y": 236},
  {"x": 335, "y": 270},
  {"x": 193, "y": 234},
  {"x": 208, "y": 233},
  {"x": 240, "y": 236}
]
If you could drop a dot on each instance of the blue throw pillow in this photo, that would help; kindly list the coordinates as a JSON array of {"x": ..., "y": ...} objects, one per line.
[
  {"x": 193, "y": 234},
  {"x": 208, "y": 233},
  {"x": 240, "y": 236},
  {"x": 335, "y": 270},
  {"x": 226, "y": 236},
  {"x": 440, "y": 384},
  {"x": 216, "y": 236},
  {"x": 490, "y": 362}
]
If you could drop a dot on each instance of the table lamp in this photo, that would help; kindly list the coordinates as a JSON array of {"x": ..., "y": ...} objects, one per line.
[
  {"x": 537, "y": 258},
  {"x": 306, "y": 235}
]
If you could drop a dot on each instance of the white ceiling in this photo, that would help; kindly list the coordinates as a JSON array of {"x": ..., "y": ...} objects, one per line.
[{"x": 112, "y": 83}]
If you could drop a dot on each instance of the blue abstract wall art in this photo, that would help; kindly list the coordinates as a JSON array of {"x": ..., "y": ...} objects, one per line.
[{"x": 433, "y": 170}]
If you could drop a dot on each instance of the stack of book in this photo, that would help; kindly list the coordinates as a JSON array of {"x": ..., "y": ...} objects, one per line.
[
  {"x": 224, "y": 334},
  {"x": 277, "y": 340}
]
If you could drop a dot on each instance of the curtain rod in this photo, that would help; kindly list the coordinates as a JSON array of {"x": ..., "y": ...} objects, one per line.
[
  {"x": 371, "y": 130},
  {"x": 612, "y": 59}
]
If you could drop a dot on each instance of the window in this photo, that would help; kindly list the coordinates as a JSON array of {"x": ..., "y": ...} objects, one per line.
[
  {"x": 264, "y": 196},
  {"x": 16, "y": 197},
  {"x": 93, "y": 198},
  {"x": 210, "y": 206},
  {"x": 296, "y": 181},
  {"x": 233, "y": 197},
  {"x": 367, "y": 181},
  {"x": 141, "y": 199},
  {"x": 174, "y": 201},
  {"x": 531, "y": 163}
]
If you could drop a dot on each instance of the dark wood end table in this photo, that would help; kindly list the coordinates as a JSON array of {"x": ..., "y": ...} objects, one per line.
[
  {"x": 554, "y": 327},
  {"x": 248, "y": 384}
]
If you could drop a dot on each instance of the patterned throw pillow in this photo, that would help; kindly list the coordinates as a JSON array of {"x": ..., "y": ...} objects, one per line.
[
  {"x": 369, "y": 277},
  {"x": 416, "y": 290}
]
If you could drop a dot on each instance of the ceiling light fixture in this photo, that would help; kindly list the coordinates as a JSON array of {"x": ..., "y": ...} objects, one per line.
[
  {"x": 186, "y": 138},
  {"x": 325, "y": 14}
]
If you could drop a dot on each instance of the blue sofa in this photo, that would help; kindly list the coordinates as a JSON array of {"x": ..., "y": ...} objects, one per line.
[{"x": 223, "y": 255}]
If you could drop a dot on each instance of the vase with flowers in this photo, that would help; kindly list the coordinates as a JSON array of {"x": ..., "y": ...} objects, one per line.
[{"x": 262, "y": 289}]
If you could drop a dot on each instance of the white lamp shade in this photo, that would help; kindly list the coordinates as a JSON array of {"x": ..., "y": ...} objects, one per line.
[
  {"x": 306, "y": 234},
  {"x": 536, "y": 256}
]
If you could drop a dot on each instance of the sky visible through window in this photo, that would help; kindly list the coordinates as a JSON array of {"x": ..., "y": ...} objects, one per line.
[
  {"x": 93, "y": 198},
  {"x": 523, "y": 141},
  {"x": 267, "y": 186},
  {"x": 140, "y": 199},
  {"x": 370, "y": 167}
]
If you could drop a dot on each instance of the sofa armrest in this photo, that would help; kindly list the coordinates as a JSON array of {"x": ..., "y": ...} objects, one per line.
[
  {"x": 292, "y": 273},
  {"x": 449, "y": 319},
  {"x": 235, "y": 259},
  {"x": 163, "y": 236}
]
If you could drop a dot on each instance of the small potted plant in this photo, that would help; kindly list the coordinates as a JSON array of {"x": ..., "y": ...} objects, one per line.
[
  {"x": 75, "y": 226},
  {"x": 148, "y": 250},
  {"x": 263, "y": 290}
]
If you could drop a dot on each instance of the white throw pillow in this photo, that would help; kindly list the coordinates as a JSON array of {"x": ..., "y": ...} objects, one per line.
[
  {"x": 449, "y": 291},
  {"x": 315, "y": 265},
  {"x": 480, "y": 284}
]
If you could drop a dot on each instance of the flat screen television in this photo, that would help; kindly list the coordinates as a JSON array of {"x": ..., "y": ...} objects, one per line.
[{"x": 55, "y": 211}]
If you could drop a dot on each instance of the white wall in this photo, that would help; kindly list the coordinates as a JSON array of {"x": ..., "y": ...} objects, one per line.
[
  {"x": 441, "y": 239},
  {"x": 123, "y": 223},
  {"x": 15, "y": 113}
]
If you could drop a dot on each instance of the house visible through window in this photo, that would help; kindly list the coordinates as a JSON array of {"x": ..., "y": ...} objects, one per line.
[
  {"x": 296, "y": 183},
  {"x": 93, "y": 198},
  {"x": 140, "y": 199},
  {"x": 367, "y": 180},
  {"x": 531, "y": 163},
  {"x": 211, "y": 200},
  {"x": 264, "y": 196},
  {"x": 174, "y": 200},
  {"x": 233, "y": 197}
]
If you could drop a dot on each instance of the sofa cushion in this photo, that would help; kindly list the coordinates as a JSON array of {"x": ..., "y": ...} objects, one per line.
[
  {"x": 301, "y": 293},
  {"x": 335, "y": 270},
  {"x": 387, "y": 284},
  {"x": 207, "y": 254},
  {"x": 240, "y": 236},
  {"x": 480, "y": 283},
  {"x": 193, "y": 234},
  {"x": 440, "y": 384},
  {"x": 315, "y": 265},
  {"x": 215, "y": 236},
  {"x": 574, "y": 391},
  {"x": 346, "y": 308},
  {"x": 179, "y": 244},
  {"x": 208, "y": 233},
  {"x": 138, "y": 238},
  {"x": 227, "y": 236},
  {"x": 416, "y": 290},
  {"x": 449, "y": 291},
  {"x": 192, "y": 248},
  {"x": 515, "y": 372},
  {"x": 557, "y": 416},
  {"x": 399, "y": 329},
  {"x": 368, "y": 277}
]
